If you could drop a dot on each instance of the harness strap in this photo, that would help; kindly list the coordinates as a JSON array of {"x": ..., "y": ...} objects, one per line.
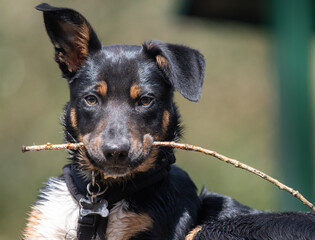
[
  {"x": 93, "y": 226},
  {"x": 87, "y": 227}
]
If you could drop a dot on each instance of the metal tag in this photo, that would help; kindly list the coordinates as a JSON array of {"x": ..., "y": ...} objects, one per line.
[{"x": 88, "y": 207}]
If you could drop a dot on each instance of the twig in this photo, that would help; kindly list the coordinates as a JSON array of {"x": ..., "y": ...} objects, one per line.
[
  {"x": 238, "y": 164},
  {"x": 188, "y": 147},
  {"x": 50, "y": 146}
]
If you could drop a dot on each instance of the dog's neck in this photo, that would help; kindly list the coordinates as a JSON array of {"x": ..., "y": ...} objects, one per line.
[{"x": 115, "y": 191}]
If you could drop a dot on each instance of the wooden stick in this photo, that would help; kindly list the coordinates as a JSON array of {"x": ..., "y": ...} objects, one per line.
[
  {"x": 188, "y": 147},
  {"x": 50, "y": 146},
  {"x": 238, "y": 164}
]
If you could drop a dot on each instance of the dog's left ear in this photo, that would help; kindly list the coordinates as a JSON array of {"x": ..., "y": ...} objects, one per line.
[
  {"x": 72, "y": 36},
  {"x": 183, "y": 67}
]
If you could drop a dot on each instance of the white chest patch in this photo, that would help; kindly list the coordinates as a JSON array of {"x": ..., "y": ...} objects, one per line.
[{"x": 56, "y": 217}]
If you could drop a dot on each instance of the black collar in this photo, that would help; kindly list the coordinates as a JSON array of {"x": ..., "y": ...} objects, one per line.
[
  {"x": 93, "y": 226},
  {"x": 77, "y": 185}
]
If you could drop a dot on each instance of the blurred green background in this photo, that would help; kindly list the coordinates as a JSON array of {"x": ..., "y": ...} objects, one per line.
[{"x": 237, "y": 116}]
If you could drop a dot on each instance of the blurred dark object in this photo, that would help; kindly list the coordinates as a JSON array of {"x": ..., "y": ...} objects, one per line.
[
  {"x": 292, "y": 33},
  {"x": 249, "y": 11}
]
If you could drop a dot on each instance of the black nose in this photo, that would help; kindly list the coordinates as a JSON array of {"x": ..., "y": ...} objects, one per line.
[{"x": 116, "y": 152}]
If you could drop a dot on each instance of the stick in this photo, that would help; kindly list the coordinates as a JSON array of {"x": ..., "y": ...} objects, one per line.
[
  {"x": 50, "y": 146},
  {"x": 238, "y": 164},
  {"x": 188, "y": 147}
]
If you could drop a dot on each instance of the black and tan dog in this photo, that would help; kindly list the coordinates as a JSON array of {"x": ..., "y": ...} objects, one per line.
[{"x": 119, "y": 186}]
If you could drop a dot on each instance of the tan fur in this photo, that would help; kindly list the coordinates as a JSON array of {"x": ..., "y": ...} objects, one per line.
[
  {"x": 192, "y": 233},
  {"x": 102, "y": 88},
  {"x": 80, "y": 137},
  {"x": 123, "y": 224},
  {"x": 161, "y": 61},
  {"x": 73, "y": 118},
  {"x": 33, "y": 222},
  {"x": 82, "y": 40},
  {"x": 84, "y": 162},
  {"x": 55, "y": 216},
  {"x": 135, "y": 91},
  {"x": 165, "y": 122},
  {"x": 77, "y": 53},
  {"x": 149, "y": 45},
  {"x": 148, "y": 163}
]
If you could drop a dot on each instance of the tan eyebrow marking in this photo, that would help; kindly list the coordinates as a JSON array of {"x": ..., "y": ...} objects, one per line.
[
  {"x": 135, "y": 91},
  {"x": 102, "y": 88}
]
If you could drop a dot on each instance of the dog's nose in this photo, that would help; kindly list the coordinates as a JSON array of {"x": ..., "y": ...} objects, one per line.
[{"x": 116, "y": 152}]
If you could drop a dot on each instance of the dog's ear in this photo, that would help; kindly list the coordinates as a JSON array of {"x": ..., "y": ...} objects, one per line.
[
  {"x": 72, "y": 36},
  {"x": 183, "y": 67}
]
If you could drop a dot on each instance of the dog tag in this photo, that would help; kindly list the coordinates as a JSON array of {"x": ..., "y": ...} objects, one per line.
[{"x": 88, "y": 207}]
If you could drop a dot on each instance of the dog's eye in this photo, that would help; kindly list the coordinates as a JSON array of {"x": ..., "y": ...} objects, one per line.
[
  {"x": 145, "y": 101},
  {"x": 91, "y": 100}
]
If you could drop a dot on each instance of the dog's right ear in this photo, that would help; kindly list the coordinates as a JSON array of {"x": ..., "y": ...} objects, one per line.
[{"x": 72, "y": 36}]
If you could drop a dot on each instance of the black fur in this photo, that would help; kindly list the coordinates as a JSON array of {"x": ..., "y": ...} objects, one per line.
[
  {"x": 121, "y": 100},
  {"x": 280, "y": 226},
  {"x": 225, "y": 218},
  {"x": 186, "y": 69}
]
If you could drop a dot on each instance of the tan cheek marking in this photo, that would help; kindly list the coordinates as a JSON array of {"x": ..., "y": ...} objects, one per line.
[
  {"x": 148, "y": 163},
  {"x": 93, "y": 143},
  {"x": 161, "y": 61},
  {"x": 135, "y": 91},
  {"x": 102, "y": 88},
  {"x": 84, "y": 162},
  {"x": 34, "y": 219},
  {"x": 73, "y": 118},
  {"x": 74, "y": 123},
  {"x": 165, "y": 122},
  {"x": 193, "y": 233},
  {"x": 123, "y": 224}
]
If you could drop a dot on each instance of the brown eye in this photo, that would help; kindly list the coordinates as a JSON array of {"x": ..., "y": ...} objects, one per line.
[
  {"x": 91, "y": 100},
  {"x": 145, "y": 101}
]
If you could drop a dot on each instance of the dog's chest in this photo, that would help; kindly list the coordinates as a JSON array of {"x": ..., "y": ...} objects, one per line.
[{"x": 56, "y": 215}]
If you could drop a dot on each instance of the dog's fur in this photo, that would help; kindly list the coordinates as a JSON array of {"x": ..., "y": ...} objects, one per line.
[{"x": 121, "y": 100}]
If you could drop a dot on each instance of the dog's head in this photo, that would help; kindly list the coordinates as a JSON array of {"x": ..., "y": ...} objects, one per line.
[{"x": 121, "y": 96}]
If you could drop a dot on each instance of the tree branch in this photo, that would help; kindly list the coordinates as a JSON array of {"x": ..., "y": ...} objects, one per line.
[{"x": 188, "y": 147}]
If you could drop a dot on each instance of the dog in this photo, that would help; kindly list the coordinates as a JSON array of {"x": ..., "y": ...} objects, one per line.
[{"x": 120, "y": 186}]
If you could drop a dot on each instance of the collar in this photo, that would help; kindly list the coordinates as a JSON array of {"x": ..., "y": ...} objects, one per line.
[
  {"x": 93, "y": 224},
  {"x": 116, "y": 191}
]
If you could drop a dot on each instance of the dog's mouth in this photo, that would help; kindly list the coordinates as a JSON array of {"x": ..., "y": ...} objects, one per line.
[
  {"x": 115, "y": 171},
  {"x": 140, "y": 158}
]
